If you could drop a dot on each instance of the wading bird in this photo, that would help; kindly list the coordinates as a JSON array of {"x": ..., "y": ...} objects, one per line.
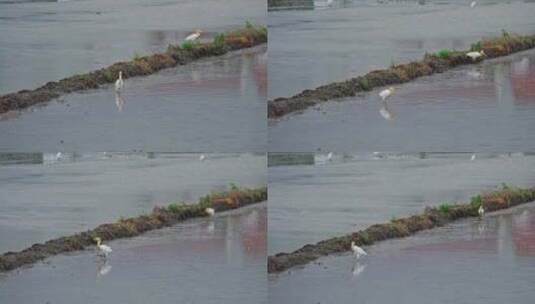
[
  {"x": 103, "y": 250},
  {"x": 119, "y": 83},
  {"x": 475, "y": 55},
  {"x": 473, "y": 157},
  {"x": 330, "y": 156},
  {"x": 209, "y": 211},
  {"x": 384, "y": 94},
  {"x": 357, "y": 251},
  {"x": 481, "y": 210},
  {"x": 194, "y": 36},
  {"x": 202, "y": 157},
  {"x": 473, "y": 4}
]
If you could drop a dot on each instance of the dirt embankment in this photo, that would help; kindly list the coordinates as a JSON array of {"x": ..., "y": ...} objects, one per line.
[
  {"x": 397, "y": 74},
  {"x": 140, "y": 66},
  {"x": 431, "y": 218},
  {"x": 159, "y": 218}
]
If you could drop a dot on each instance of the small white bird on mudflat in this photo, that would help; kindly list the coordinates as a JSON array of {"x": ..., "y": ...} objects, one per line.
[
  {"x": 384, "y": 94},
  {"x": 209, "y": 211},
  {"x": 194, "y": 36},
  {"x": 119, "y": 83},
  {"x": 103, "y": 250},
  {"x": 357, "y": 251},
  {"x": 475, "y": 55},
  {"x": 481, "y": 210},
  {"x": 473, "y": 4}
]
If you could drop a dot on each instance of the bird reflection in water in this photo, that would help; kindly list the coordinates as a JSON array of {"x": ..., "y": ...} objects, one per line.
[
  {"x": 358, "y": 268},
  {"x": 119, "y": 101},
  {"x": 103, "y": 267},
  {"x": 385, "y": 111}
]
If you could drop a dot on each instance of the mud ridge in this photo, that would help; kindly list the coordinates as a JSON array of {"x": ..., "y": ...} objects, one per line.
[
  {"x": 397, "y": 74},
  {"x": 175, "y": 55},
  {"x": 403, "y": 227},
  {"x": 159, "y": 218}
]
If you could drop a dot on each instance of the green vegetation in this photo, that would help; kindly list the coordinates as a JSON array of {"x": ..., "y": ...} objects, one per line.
[
  {"x": 219, "y": 39},
  {"x": 188, "y": 45},
  {"x": 444, "y": 54},
  {"x": 476, "y": 201},
  {"x": 445, "y": 208}
]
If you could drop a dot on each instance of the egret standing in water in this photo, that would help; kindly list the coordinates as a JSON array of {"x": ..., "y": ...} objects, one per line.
[
  {"x": 481, "y": 211},
  {"x": 357, "y": 251},
  {"x": 330, "y": 156},
  {"x": 473, "y": 4},
  {"x": 384, "y": 94},
  {"x": 473, "y": 157},
  {"x": 202, "y": 157},
  {"x": 475, "y": 55},
  {"x": 119, "y": 83},
  {"x": 103, "y": 250},
  {"x": 209, "y": 211},
  {"x": 193, "y": 36}
]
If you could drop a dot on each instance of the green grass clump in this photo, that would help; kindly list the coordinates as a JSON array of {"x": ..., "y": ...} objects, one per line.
[
  {"x": 219, "y": 39},
  {"x": 444, "y": 54},
  {"x": 188, "y": 45},
  {"x": 476, "y": 201},
  {"x": 177, "y": 208},
  {"x": 444, "y": 208},
  {"x": 476, "y": 47},
  {"x": 249, "y": 25}
]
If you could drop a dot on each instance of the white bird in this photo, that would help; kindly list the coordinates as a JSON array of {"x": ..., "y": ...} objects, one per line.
[
  {"x": 473, "y": 157},
  {"x": 473, "y": 4},
  {"x": 481, "y": 210},
  {"x": 202, "y": 157},
  {"x": 330, "y": 156},
  {"x": 384, "y": 94},
  {"x": 194, "y": 36},
  {"x": 357, "y": 251},
  {"x": 103, "y": 250},
  {"x": 475, "y": 55},
  {"x": 59, "y": 156},
  {"x": 209, "y": 211},
  {"x": 119, "y": 83}
]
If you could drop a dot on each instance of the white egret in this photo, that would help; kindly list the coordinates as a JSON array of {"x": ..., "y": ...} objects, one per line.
[
  {"x": 194, "y": 36},
  {"x": 481, "y": 210},
  {"x": 103, "y": 250},
  {"x": 202, "y": 157},
  {"x": 119, "y": 83},
  {"x": 473, "y": 4},
  {"x": 357, "y": 251},
  {"x": 59, "y": 156},
  {"x": 209, "y": 211},
  {"x": 473, "y": 157},
  {"x": 475, "y": 55},
  {"x": 330, "y": 156},
  {"x": 384, "y": 94}
]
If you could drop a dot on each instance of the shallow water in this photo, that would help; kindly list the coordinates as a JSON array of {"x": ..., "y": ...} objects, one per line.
[
  {"x": 212, "y": 260},
  {"x": 216, "y": 104},
  {"x": 308, "y": 203},
  {"x": 48, "y": 40},
  {"x": 470, "y": 261},
  {"x": 355, "y": 37},
  {"x": 39, "y": 202},
  {"x": 485, "y": 107}
]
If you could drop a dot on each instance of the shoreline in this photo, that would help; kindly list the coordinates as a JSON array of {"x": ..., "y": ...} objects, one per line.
[{"x": 398, "y": 74}]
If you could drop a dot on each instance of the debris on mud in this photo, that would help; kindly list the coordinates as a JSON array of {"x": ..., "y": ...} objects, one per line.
[
  {"x": 397, "y": 74},
  {"x": 130, "y": 227},
  {"x": 175, "y": 55},
  {"x": 399, "y": 228}
]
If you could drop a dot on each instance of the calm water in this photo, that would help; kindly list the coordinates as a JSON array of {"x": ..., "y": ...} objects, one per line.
[
  {"x": 471, "y": 261},
  {"x": 487, "y": 107},
  {"x": 48, "y": 40},
  {"x": 312, "y": 203},
  {"x": 39, "y": 202},
  {"x": 217, "y": 104},
  {"x": 217, "y": 260}
]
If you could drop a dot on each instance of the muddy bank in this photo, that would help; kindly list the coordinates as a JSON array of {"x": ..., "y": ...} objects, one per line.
[
  {"x": 175, "y": 55},
  {"x": 397, "y": 74},
  {"x": 398, "y": 228},
  {"x": 130, "y": 227}
]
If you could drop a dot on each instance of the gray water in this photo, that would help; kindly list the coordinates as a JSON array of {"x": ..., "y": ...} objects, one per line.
[
  {"x": 39, "y": 202},
  {"x": 43, "y": 41},
  {"x": 212, "y": 260},
  {"x": 487, "y": 107},
  {"x": 216, "y": 104},
  {"x": 471, "y": 261},
  {"x": 308, "y": 203}
]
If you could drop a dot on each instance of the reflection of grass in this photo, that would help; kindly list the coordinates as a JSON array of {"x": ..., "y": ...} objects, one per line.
[{"x": 444, "y": 54}]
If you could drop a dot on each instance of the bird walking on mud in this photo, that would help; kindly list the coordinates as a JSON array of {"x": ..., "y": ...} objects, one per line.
[
  {"x": 357, "y": 251},
  {"x": 193, "y": 36},
  {"x": 103, "y": 250},
  {"x": 384, "y": 94},
  {"x": 119, "y": 83},
  {"x": 481, "y": 211},
  {"x": 475, "y": 55},
  {"x": 209, "y": 211}
]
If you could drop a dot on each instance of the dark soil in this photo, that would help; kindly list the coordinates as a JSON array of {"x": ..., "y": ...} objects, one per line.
[
  {"x": 159, "y": 218},
  {"x": 140, "y": 66},
  {"x": 399, "y": 228},
  {"x": 397, "y": 74}
]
